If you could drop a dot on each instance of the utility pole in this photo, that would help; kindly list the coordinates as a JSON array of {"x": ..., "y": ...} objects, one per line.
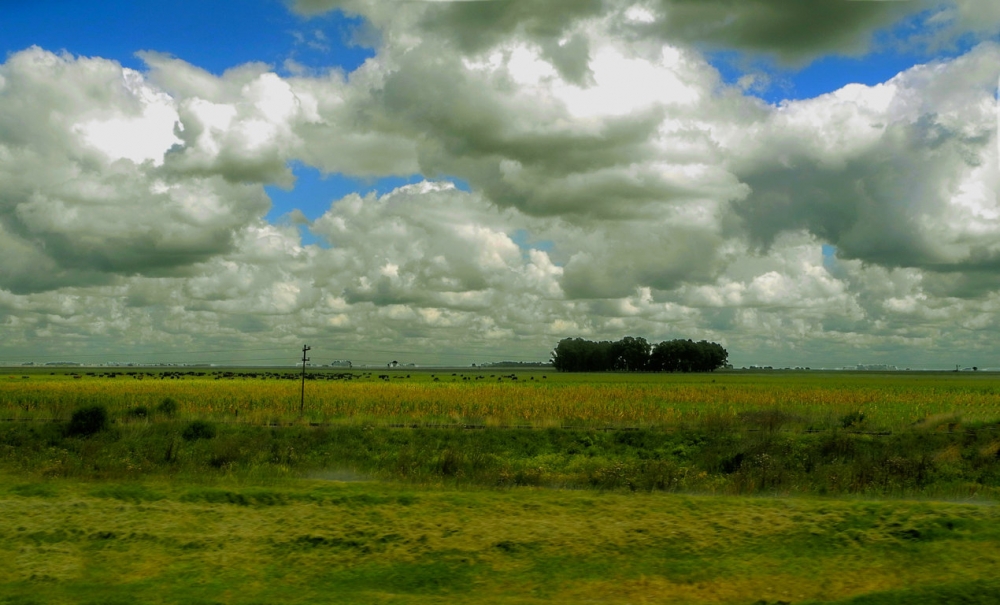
[{"x": 302, "y": 404}]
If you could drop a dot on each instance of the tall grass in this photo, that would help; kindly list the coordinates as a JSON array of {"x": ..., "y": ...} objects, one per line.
[{"x": 805, "y": 401}]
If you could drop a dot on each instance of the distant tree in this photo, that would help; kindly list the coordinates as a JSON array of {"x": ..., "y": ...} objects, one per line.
[
  {"x": 666, "y": 356},
  {"x": 630, "y": 354},
  {"x": 688, "y": 356},
  {"x": 564, "y": 356},
  {"x": 713, "y": 356},
  {"x": 633, "y": 354},
  {"x": 579, "y": 355}
]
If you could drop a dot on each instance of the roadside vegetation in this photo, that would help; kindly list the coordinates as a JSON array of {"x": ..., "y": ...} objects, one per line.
[{"x": 938, "y": 459}]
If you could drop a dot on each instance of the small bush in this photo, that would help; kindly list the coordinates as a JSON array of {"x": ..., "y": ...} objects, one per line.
[
  {"x": 732, "y": 464},
  {"x": 223, "y": 460},
  {"x": 167, "y": 407},
  {"x": 450, "y": 463},
  {"x": 199, "y": 429},
  {"x": 139, "y": 412},
  {"x": 88, "y": 421},
  {"x": 852, "y": 419}
]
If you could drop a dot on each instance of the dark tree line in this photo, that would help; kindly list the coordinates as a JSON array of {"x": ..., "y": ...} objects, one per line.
[{"x": 631, "y": 354}]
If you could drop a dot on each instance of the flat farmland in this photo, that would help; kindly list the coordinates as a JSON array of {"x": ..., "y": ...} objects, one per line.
[
  {"x": 498, "y": 486},
  {"x": 512, "y": 397}
]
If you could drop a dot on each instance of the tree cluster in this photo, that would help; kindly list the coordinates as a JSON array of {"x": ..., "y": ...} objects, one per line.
[{"x": 631, "y": 354}]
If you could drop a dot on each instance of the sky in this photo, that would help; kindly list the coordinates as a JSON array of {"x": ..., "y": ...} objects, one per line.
[{"x": 455, "y": 182}]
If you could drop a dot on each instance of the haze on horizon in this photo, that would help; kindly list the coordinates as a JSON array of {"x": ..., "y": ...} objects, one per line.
[{"x": 808, "y": 184}]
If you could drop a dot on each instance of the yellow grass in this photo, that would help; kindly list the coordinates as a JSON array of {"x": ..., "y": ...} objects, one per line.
[{"x": 886, "y": 401}]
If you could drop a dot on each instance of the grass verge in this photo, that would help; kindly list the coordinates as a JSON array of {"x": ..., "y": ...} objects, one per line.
[{"x": 319, "y": 542}]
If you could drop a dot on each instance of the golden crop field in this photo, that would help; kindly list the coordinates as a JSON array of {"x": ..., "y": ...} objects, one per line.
[{"x": 536, "y": 398}]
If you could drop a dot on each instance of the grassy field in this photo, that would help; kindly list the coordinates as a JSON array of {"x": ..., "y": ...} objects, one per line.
[
  {"x": 491, "y": 397},
  {"x": 732, "y": 488},
  {"x": 328, "y": 542}
]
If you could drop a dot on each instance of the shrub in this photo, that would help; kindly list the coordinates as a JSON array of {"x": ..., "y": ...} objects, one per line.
[
  {"x": 852, "y": 419},
  {"x": 168, "y": 407},
  {"x": 450, "y": 463},
  {"x": 88, "y": 421},
  {"x": 199, "y": 429},
  {"x": 139, "y": 412}
]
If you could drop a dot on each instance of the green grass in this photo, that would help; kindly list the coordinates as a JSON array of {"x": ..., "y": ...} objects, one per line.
[
  {"x": 729, "y": 488},
  {"x": 317, "y": 542}
]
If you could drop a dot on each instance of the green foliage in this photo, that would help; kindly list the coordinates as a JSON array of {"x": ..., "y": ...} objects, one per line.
[
  {"x": 139, "y": 412},
  {"x": 198, "y": 429},
  {"x": 167, "y": 407},
  {"x": 688, "y": 356},
  {"x": 852, "y": 419},
  {"x": 87, "y": 421},
  {"x": 743, "y": 457},
  {"x": 631, "y": 354},
  {"x": 579, "y": 355}
]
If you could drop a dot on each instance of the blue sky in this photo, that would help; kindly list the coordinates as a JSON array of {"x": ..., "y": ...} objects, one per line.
[
  {"x": 211, "y": 34},
  {"x": 821, "y": 76}
]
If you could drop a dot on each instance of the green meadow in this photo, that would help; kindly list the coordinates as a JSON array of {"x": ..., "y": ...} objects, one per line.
[{"x": 427, "y": 487}]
